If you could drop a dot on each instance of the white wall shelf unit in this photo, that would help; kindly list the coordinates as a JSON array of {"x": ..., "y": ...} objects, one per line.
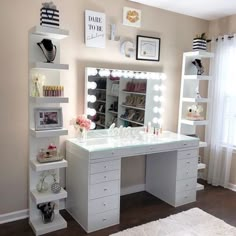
[
  {"x": 36, "y": 166},
  {"x": 42, "y": 139},
  {"x": 194, "y": 122},
  {"x": 52, "y": 33},
  {"x": 40, "y": 100},
  {"x": 49, "y": 66},
  {"x": 199, "y": 100},
  {"x": 190, "y": 94},
  {"x": 47, "y": 196},
  {"x": 48, "y": 133},
  {"x": 39, "y": 228}
]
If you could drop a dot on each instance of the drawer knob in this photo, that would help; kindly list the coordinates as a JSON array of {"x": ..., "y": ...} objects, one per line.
[
  {"x": 186, "y": 185},
  {"x": 112, "y": 153},
  {"x": 185, "y": 144},
  {"x": 105, "y": 189},
  {"x": 104, "y": 204},
  {"x": 104, "y": 219},
  {"x": 186, "y": 197},
  {"x": 188, "y": 162},
  {"x": 105, "y": 167},
  {"x": 189, "y": 154},
  {"x": 105, "y": 176}
]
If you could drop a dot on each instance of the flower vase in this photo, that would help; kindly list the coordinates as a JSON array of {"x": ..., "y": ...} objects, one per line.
[{"x": 82, "y": 134}]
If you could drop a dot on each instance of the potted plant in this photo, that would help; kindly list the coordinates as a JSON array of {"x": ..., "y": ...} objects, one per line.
[{"x": 200, "y": 42}]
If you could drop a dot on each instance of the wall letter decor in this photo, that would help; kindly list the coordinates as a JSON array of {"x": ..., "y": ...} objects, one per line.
[{"x": 95, "y": 29}]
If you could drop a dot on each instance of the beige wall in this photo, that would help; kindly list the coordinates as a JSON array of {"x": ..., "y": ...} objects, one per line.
[
  {"x": 226, "y": 25},
  {"x": 17, "y": 17}
]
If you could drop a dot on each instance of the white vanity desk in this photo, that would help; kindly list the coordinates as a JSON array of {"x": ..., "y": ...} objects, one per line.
[{"x": 93, "y": 173}]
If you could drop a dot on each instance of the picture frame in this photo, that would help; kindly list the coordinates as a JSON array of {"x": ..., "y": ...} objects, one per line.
[
  {"x": 132, "y": 17},
  {"x": 148, "y": 48},
  {"x": 95, "y": 29},
  {"x": 48, "y": 118}
]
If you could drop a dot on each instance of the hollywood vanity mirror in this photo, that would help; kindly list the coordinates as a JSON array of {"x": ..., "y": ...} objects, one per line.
[{"x": 127, "y": 98}]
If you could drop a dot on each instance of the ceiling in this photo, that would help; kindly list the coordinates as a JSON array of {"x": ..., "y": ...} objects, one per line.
[{"x": 204, "y": 9}]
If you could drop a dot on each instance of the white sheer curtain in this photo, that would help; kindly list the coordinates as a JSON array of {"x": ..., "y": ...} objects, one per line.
[{"x": 221, "y": 131}]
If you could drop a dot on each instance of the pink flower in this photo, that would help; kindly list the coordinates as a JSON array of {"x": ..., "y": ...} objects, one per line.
[{"x": 83, "y": 122}]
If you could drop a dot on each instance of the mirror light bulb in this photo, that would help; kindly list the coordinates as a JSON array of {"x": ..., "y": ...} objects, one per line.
[
  {"x": 92, "y": 71},
  {"x": 131, "y": 74},
  {"x": 156, "y": 98},
  {"x": 93, "y": 125},
  {"x": 155, "y": 120},
  {"x": 156, "y": 87},
  {"x": 155, "y": 109}
]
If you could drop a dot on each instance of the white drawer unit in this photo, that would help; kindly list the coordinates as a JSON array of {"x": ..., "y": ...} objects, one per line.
[
  {"x": 104, "y": 166},
  {"x": 185, "y": 197},
  {"x": 105, "y": 177},
  {"x": 103, "y": 220},
  {"x": 104, "y": 154},
  {"x": 103, "y": 204},
  {"x": 187, "y": 154},
  {"x": 186, "y": 184},
  {"x": 104, "y": 189},
  {"x": 93, "y": 176},
  {"x": 186, "y": 168}
]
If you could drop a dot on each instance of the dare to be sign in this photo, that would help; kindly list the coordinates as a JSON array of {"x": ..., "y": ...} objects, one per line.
[{"x": 95, "y": 29}]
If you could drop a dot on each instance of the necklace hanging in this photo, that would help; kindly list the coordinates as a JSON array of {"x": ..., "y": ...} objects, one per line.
[{"x": 49, "y": 50}]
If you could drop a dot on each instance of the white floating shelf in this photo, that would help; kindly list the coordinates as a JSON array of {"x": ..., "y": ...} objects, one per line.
[
  {"x": 40, "y": 228},
  {"x": 198, "y": 77},
  {"x": 194, "y": 122},
  {"x": 131, "y": 121},
  {"x": 136, "y": 108},
  {"x": 37, "y": 166},
  {"x": 40, "y": 100},
  {"x": 136, "y": 93},
  {"x": 202, "y": 144},
  {"x": 49, "y": 32},
  {"x": 201, "y": 166},
  {"x": 47, "y": 196},
  {"x": 199, "y": 187},
  {"x": 113, "y": 112},
  {"x": 48, "y": 133},
  {"x": 203, "y": 100},
  {"x": 49, "y": 66},
  {"x": 201, "y": 54}
]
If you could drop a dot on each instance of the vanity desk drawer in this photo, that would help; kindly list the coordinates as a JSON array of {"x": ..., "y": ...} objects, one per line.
[
  {"x": 187, "y": 171},
  {"x": 103, "y": 220},
  {"x": 105, "y": 177},
  {"x": 104, "y": 189},
  {"x": 186, "y": 185},
  {"x": 103, "y": 204},
  {"x": 185, "y": 197},
  {"x": 105, "y": 154},
  {"x": 104, "y": 166},
  {"x": 187, "y": 154}
]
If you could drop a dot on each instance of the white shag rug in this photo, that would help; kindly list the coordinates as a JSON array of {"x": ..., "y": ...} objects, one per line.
[{"x": 193, "y": 222}]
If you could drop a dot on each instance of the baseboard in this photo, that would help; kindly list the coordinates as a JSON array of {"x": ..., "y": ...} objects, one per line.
[
  {"x": 132, "y": 189},
  {"x": 232, "y": 187},
  {"x": 23, "y": 214},
  {"x": 13, "y": 216}
]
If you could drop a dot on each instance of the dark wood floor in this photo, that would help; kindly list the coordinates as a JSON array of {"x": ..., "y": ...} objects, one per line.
[{"x": 141, "y": 208}]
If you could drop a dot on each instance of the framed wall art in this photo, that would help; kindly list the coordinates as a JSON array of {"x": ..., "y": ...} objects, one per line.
[
  {"x": 148, "y": 48},
  {"x": 95, "y": 29},
  {"x": 48, "y": 118},
  {"x": 131, "y": 17}
]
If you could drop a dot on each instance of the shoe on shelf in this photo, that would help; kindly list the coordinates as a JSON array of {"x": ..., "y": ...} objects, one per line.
[
  {"x": 141, "y": 102},
  {"x": 131, "y": 114}
]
